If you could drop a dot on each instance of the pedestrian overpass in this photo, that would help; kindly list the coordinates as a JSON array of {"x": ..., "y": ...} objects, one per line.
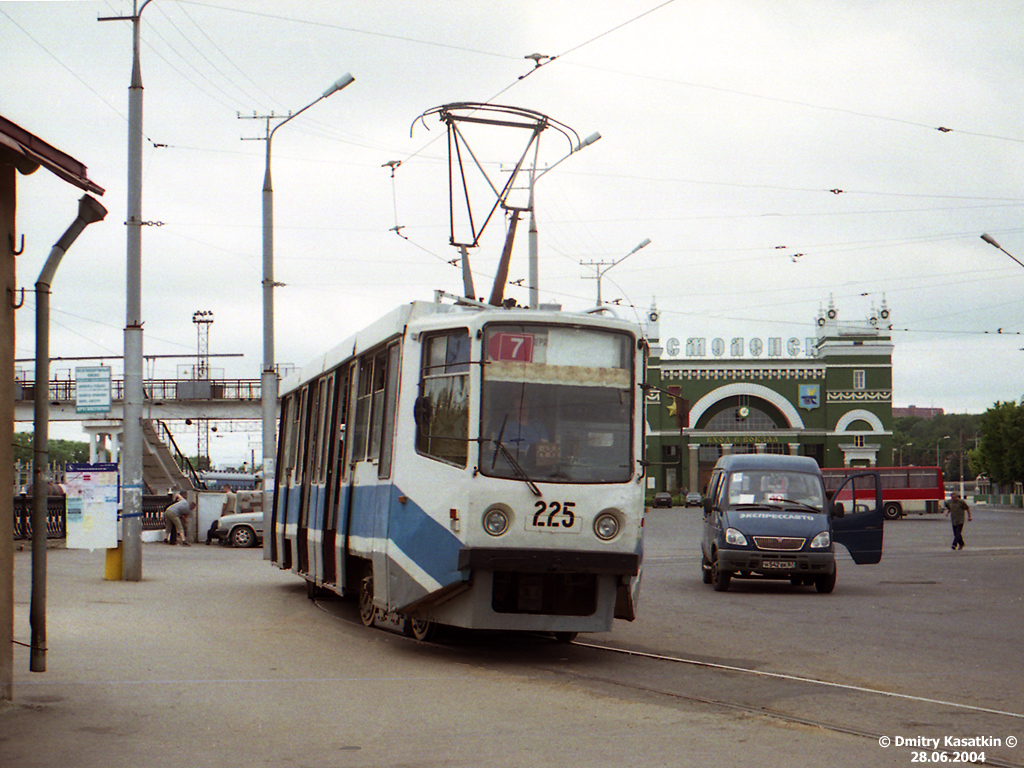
[{"x": 165, "y": 401}]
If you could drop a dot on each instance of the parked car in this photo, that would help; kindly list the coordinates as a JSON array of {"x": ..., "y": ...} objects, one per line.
[
  {"x": 693, "y": 499},
  {"x": 767, "y": 516},
  {"x": 244, "y": 529},
  {"x": 663, "y": 499}
]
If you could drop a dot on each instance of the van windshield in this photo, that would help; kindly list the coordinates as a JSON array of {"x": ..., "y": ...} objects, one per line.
[{"x": 777, "y": 488}]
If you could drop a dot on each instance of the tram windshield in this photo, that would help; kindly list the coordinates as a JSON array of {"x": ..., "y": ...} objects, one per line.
[{"x": 556, "y": 404}]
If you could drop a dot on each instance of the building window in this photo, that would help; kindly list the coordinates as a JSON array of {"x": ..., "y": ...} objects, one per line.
[
  {"x": 858, "y": 380},
  {"x": 858, "y": 441}
]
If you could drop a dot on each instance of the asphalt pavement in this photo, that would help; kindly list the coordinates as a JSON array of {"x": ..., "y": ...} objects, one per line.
[{"x": 217, "y": 658}]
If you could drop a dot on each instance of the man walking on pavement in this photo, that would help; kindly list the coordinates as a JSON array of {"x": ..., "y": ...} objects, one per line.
[{"x": 956, "y": 508}]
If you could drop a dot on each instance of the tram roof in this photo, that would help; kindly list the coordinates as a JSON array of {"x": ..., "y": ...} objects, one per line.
[{"x": 395, "y": 322}]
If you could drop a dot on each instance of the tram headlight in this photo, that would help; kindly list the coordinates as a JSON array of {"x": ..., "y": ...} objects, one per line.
[
  {"x": 606, "y": 526},
  {"x": 495, "y": 521}
]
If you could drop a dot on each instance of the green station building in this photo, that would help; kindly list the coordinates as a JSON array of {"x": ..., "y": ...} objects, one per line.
[{"x": 827, "y": 396}]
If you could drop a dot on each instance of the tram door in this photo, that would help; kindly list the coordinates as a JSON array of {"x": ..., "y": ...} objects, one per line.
[
  {"x": 335, "y": 413},
  {"x": 306, "y": 471},
  {"x": 369, "y": 483}
]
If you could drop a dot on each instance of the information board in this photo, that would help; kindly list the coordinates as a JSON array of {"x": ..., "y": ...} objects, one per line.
[
  {"x": 92, "y": 496},
  {"x": 92, "y": 386}
]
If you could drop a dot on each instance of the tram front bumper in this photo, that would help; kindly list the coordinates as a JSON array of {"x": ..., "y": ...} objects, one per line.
[
  {"x": 555, "y": 582},
  {"x": 625, "y": 564}
]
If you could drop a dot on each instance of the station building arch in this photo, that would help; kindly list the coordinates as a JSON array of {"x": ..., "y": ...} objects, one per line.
[{"x": 711, "y": 399}]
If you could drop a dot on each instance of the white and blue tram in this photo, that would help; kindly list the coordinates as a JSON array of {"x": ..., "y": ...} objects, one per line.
[{"x": 468, "y": 466}]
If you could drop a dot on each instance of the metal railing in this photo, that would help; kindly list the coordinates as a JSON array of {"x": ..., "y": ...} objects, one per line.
[
  {"x": 153, "y": 507},
  {"x": 163, "y": 434},
  {"x": 66, "y": 390}
]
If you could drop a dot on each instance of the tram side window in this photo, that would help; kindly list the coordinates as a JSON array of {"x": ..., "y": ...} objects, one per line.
[
  {"x": 300, "y": 433},
  {"x": 364, "y": 395},
  {"x": 342, "y": 422},
  {"x": 379, "y": 379},
  {"x": 286, "y": 460},
  {"x": 310, "y": 452},
  {"x": 387, "y": 430},
  {"x": 375, "y": 408},
  {"x": 442, "y": 410}
]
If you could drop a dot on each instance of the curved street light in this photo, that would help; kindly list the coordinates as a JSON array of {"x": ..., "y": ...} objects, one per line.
[
  {"x": 268, "y": 383},
  {"x": 601, "y": 272},
  {"x": 991, "y": 241},
  {"x": 534, "y": 259}
]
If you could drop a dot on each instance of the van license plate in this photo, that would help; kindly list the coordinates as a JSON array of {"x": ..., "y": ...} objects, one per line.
[{"x": 780, "y": 564}]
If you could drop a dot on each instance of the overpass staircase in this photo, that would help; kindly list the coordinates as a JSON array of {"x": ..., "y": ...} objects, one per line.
[{"x": 164, "y": 466}]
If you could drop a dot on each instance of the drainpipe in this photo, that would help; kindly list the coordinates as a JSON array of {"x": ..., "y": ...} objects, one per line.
[{"x": 89, "y": 211}]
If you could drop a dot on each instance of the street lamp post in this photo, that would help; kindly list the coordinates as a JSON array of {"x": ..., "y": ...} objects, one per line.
[
  {"x": 268, "y": 384},
  {"x": 938, "y": 443},
  {"x": 901, "y": 452},
  {"x": 601, "y": 272},
  {"x": 534, "y": 259}
]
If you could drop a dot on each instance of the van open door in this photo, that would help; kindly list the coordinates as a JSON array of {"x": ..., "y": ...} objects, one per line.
[{"x": 857, "y": 517}]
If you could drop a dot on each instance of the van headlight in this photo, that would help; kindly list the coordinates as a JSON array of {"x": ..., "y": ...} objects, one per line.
[
  {"x": 821, "y": 541},
  {"x": 606, "y": 526},
  {"x": 495, "y": 521},
  {"x": 734, "y": 537}
]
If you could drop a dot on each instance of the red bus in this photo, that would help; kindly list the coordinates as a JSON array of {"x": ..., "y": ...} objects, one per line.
[{"x": 904, "y": 489}]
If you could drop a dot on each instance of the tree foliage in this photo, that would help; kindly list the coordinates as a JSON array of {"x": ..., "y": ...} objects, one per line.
[
  {"x": 61, "y": 451},
  {"x": 1001, "y": 448},
  {"x": 941, "y": 439}
]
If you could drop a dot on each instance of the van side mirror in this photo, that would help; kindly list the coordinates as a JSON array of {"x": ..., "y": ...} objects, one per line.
[
  {"x": 706, "y": 503},
  {"x": 838, "y": 510}
]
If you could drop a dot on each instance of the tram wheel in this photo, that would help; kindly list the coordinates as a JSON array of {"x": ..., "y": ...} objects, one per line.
[
  {"x": 367, "y": 611},
  {"x": 566, "y": 637},
  {"x": 422, "y": 629}
]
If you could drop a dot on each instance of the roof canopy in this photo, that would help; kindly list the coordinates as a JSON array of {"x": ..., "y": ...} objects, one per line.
[{"x": 30, "y": 152}]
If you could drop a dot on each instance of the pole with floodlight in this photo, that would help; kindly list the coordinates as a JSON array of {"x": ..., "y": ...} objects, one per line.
[
  {"x": 534, "y": 177},
  {"x": 268, "y": 384}
]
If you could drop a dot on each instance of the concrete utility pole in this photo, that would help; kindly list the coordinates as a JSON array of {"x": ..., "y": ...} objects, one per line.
[
  {"x": 268, "y": 377},
  {"x": 131, "y": 453}
]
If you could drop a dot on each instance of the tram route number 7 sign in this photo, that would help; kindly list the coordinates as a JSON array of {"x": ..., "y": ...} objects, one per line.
[{"x": 511, "y": 347}]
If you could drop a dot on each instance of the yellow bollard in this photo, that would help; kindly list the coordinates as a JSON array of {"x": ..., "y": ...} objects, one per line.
[{"x": 112, "y": 572}]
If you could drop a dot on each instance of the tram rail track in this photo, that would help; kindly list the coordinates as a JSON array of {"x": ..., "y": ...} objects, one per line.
[
  {"x": 781, "y": 715},
  {"x": 734, "y": 705}
]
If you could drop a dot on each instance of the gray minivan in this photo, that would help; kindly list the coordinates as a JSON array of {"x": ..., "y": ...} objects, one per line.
[{"x": 768, "y": 516}]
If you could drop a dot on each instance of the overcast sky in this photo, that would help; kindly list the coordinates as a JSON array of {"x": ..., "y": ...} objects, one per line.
[{"x": 778, "y": 155}]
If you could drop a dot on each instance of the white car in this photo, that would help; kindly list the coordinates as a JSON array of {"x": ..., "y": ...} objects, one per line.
[{"x": 244, "y": 529}]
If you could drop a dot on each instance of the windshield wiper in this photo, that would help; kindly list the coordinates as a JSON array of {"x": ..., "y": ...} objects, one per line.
[
  {"x": 500, "y": 446},
  {"x": 803, "y": 504},
  {"x": 516, "y": 466}
]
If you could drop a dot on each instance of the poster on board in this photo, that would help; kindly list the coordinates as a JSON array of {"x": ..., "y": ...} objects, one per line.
[{"x": 92, "y": 498}]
